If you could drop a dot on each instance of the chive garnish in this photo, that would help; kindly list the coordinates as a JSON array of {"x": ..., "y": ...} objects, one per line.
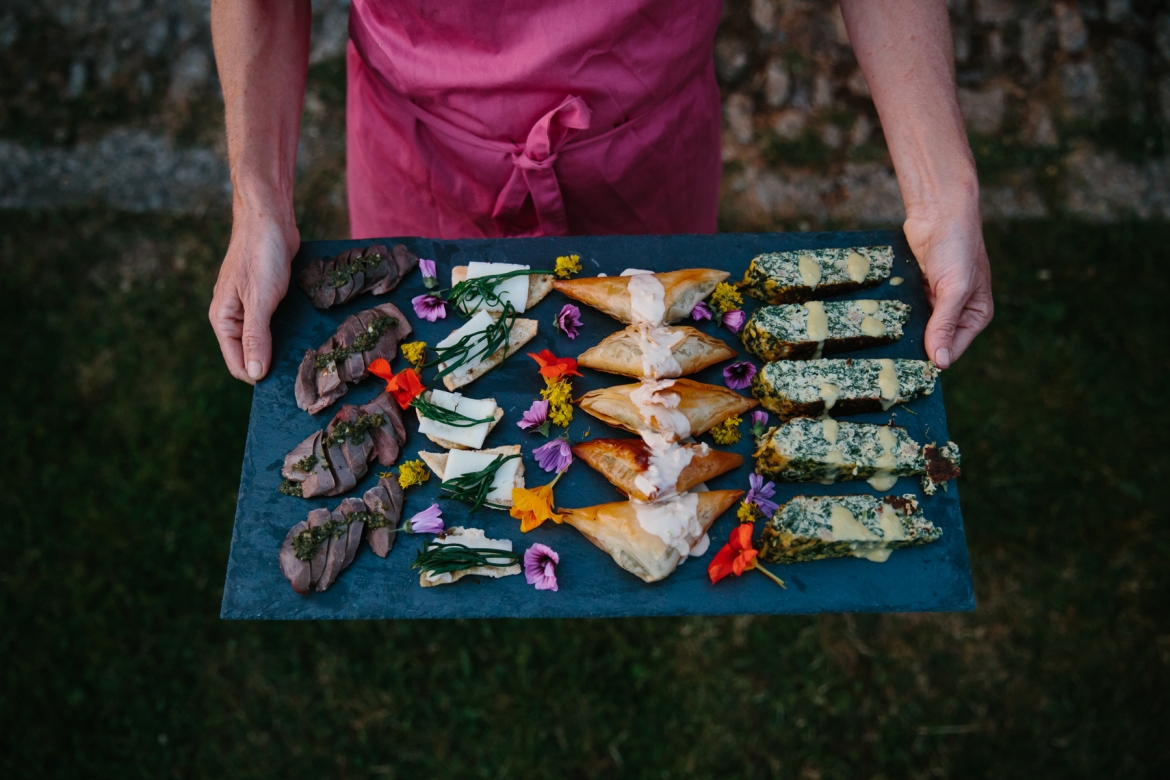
[
  {"x": 446, "y": 416},
  {"x": 446, "y": 557},
  {"x": 472, "y": 488},
  {"x": 470, "y": 294},
  {"x": 476, "y": 346}
]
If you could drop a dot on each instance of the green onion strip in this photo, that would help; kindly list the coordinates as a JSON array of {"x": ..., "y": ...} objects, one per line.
[
  {"x": 447, "y": 557},
  {"x": 472, "y": 488}
]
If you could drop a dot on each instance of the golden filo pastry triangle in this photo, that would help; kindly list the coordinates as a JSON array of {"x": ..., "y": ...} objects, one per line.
[
  {"x": 675, "y": 408},
  {"x": 690, "y": 350},
  {"x": 610, "y": 294},
  {"x": 616, "y": 529},
  {"x": 628, "y": 464}
]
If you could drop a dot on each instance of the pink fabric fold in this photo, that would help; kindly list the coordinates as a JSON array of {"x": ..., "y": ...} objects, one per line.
[{"x": 468, "y": 120}]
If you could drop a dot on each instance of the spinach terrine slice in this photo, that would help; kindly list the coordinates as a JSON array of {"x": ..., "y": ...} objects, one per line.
[
  {"x": 809, "y": 528},
  {"x": 791, "y": 388},
  {"x": 795, "y": 277},
  {"x": 807, "y": 450},
  {"x": 799, "y": 331}
]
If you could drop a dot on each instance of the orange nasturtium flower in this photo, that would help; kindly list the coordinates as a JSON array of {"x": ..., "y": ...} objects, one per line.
[
  {"x": 738, "y": 556},
  {"x": 405, "y": 386},
  {"x": 553, "y": 368},
  {"x": 533, "y": 507}
]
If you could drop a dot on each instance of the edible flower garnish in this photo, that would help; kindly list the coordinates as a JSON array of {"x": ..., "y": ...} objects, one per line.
[
  {"x": 540, "y": 566},
  {"x": 727, "y": 432},
  {"x": 734, "y": 320},
  {"x": 430, "y": 307},
  {"x": 415, "y": 353},
  {"x": 429, "y": 274},
  {"x": 747, "y": 513},
  {"x": 554, "y": 456},
  {"x": 553, "y": 368},
  {"x": 568, "y": 321},
  {"x": 412, "y": 472},
  {"x": 726, "y": 297},
  {"x": 536, "y": 417},
  {"x": 739, "y": 375},
  {"x": 428, "y": 521},
  {"x": 760, "y": 493},
  {"x": 560, "y": 406},
  {"x": 701, "y": 311},
  {"x": 568, "y": 265},
  {"x": 759, "y": 422},
  {"x": 405, "y": 386},
  {"x": 738, "y": 556},
  {"x": 533, "y": 507}
]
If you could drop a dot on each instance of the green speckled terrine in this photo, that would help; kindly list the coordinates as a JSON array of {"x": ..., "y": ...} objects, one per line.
[
  {"x": 810, "y": 528},
  {"x": 777, "y": 277},
  {"x": 807, "y": 450},
  {"x": 795, "y": 388},
  {"x": 782, "y": 332}
]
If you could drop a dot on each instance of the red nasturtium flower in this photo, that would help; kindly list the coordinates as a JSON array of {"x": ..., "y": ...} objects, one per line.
[
  {"x": 405, "y": 386},
  {"x": 553, "y": 368},
  {"x": 736, "y": 557}
]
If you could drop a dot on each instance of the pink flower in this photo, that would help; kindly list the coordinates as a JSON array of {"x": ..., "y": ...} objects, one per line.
[
  {"x": 535, "y": 417},
  {"x": 701, "y": 311},
  {"x": 540, "y": 566},
  {"x": 554, "y": 456},
  {"x": 568, "y": 321},
  {"x": 739, "y": 375},
  {"x": 430, "y": 307},
  {"x": 759, "y": 422},
  {"x": 760, "y": 494},
  {"x": 428, "y": 521},
  {"x": 734, "y": 320},
  {"x": 429, "y": 273}
]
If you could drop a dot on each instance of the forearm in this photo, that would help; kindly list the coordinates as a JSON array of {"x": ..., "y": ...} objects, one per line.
[
  {"x": 262, "y": 53},
  {"x": 905, "y": 51}
]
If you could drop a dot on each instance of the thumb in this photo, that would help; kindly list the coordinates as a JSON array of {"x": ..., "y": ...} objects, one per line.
[
  {"x": 257, "y": 340},
  {"x": 949, "y": 301}
]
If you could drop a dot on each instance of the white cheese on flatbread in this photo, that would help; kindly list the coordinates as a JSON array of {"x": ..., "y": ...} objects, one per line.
[
  {"x": 513, "y": 290},
  {"x": 471, "y": 436}
]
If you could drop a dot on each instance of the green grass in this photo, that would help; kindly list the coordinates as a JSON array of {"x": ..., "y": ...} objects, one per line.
[{"x": 122, "y": 443}]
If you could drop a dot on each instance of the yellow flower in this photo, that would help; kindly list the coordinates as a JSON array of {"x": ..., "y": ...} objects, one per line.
[
  {"x": 561, "y": 414},
  {"x": 557, "y": 392},
  {"x": 533, "y": 507},
  {"x": 412, "y": 472},
  {"x": 726, "y": 297},
  {"x": 567, "y": 266},
  {"x": 727, "y": 432},
  {"x": 415, "y": 353},
  {"x": 746, "y": 513}
]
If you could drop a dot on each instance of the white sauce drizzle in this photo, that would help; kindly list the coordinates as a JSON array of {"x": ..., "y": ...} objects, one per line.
[
  {"x": 647, "y": 298},
  {"x": 810, "y": 271},
  {"x": 657, "y": 346},
  {"x": 883, "y": 480},
  {"x": 675, "y": 521},
  {"x": 817, "y": 328},
  {"x": 857, "y": 266},
  {"x": 896, "y": 280},
  {"x": 871, "y": 326},
  {"x": 667, "y": 462},
  {"x": 829, "y": 394},
  {"x": 659, "y": 408},
  {"x": 888, "y": 383}
]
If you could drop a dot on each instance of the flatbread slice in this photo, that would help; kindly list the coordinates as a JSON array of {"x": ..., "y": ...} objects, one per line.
[
  {"x": 523, "y": 331},
  {"x": 437, "y": 462}
]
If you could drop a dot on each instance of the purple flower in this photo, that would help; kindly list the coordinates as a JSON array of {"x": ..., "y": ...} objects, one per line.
[
  {"x": 568, "y": 321},
  {"x": 535, "y": 417},
  {"x": 759, "y": 422},
  {"x": 430, "y": 307},
  {"x": 760, "y": 494},
  {"x": 429, "y": 273},
  {"x": 734, "y": 320},
  {"x": 739, "y": 375},
  {"x": 428, "y": 521},
  {"x": 701, "y": 311},
  {"x": 554, "y": 456},
  {"x": 540, "y": 566}
]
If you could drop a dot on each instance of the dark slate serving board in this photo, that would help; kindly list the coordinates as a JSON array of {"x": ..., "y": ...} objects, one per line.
[{"x": 935, "y": 577}]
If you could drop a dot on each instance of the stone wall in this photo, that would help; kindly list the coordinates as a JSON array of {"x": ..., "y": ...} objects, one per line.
[{"x": 1068, "y": 105}]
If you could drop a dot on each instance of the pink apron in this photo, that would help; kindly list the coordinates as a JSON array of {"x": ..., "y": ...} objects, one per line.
[{"x": 532, "y": 117}]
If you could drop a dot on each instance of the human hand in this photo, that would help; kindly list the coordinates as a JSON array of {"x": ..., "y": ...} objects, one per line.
[
  {"x": 252, "y": 281},
  {"x": 947, "y": 240}
]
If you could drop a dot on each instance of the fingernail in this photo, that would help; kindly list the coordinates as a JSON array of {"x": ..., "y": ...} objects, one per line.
[
  {"x": 943, "y": 357},
  {"x": 254, "y": 369}
]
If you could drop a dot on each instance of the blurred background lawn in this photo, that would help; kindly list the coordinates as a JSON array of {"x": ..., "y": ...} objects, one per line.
[{"x": 123, "y": 440}]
